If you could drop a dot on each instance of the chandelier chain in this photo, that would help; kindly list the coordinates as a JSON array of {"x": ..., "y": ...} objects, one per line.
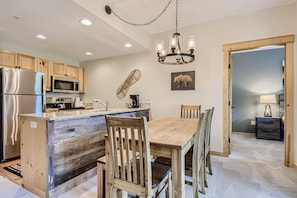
[
  {"x": 176, "y": 11},
  {"x": 146, "y": 23}
]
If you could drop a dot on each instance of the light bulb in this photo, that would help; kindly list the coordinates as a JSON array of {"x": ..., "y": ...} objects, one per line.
[
  {"x": 173, "y": 43},
  {"x": 191, "y": 44},
  {"x": 159, "y": 46}
]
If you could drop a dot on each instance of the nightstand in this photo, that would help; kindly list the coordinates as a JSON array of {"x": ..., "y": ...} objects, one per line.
[{"x": 268, "y": 128}]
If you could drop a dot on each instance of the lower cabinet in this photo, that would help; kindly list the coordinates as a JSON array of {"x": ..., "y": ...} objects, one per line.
[{"x": 268, "y": 128}]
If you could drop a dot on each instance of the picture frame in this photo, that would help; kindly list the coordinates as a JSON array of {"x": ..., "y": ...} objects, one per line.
[{"x": 183, "y": 80}]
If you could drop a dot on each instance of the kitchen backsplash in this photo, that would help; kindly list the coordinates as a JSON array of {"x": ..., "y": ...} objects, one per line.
[{"x": 62, "y": 95}]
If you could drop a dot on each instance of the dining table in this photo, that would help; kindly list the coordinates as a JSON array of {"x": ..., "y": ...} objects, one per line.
[{"x": 172, "y": 138}]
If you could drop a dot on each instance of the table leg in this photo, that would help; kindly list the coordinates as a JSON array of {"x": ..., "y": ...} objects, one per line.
[{"x": 178, "y": 173}]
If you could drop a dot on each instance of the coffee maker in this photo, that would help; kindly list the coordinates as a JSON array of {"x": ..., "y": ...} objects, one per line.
[{"x": 134, "y": 101}]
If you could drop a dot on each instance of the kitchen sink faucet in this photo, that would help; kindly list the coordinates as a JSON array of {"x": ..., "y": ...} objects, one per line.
[{"x": 106, "y": 104}]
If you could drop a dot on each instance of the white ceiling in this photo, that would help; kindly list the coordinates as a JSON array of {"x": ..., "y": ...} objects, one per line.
[{"x": 21, "y": 20}]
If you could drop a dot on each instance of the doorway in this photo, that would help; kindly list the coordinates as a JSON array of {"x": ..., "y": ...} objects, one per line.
[
  {"x": 287, "y": 43},
  {"x": 254, "y": 73}
]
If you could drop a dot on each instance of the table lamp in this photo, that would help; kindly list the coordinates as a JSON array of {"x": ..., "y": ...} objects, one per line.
[{"x": 267, "y": 99}]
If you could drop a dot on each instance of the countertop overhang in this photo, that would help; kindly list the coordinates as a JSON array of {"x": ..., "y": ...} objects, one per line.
[{"x": 73, "y": 114}]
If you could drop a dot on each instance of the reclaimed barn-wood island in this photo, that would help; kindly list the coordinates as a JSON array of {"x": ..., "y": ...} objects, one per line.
[{"x": 59, "y": 149}]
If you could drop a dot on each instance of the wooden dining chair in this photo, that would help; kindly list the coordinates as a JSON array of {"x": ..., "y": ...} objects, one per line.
[
  {"x": 190, "y": 111},
  {"x": 198, "y": 158},
  {"x": 207, "y": 140},
  {"x": 101, "y": 171},
  {"x": 195, "y": 157},
  {"x": 128, "y": 138}
]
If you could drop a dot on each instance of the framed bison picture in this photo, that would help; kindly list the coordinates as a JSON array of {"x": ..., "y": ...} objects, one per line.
[{"x": 183, "y": 80}]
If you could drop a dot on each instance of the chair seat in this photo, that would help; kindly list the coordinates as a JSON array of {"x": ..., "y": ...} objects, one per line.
[
  {"x": 159, "y": 172},
  {"x": 188, "y": 160},
  {"x": 163, "y": 160}
]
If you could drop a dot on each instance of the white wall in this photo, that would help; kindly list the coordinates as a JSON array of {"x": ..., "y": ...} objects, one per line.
[{"x": 105, "y": 76}]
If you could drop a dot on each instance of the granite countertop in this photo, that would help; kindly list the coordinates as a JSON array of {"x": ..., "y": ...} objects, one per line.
[{"x": 72, "y": 114}]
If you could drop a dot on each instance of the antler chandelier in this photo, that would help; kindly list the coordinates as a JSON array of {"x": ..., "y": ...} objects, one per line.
[{"x": 174, "y": 55}]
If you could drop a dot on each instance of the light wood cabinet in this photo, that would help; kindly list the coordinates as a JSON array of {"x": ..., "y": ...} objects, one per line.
[
  {"x": 26, "y": 62},
  {"x": 81, "y": 79},
  {"x": 45, "y": 66},
  {"x": 8, "y": 59},
  {"x": 72, "y": 71},
  {"x": 48, "y": 67},
  {"x": 58, "y": 69},
  {"x": 64, "y": 70},
  {"x": 19, "y": 61},
  {"x": 34, "y": 152}
]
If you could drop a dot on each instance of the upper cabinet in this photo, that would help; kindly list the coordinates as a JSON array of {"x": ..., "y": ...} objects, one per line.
[
  {"x": 72, "y": 71},
  {"x": 45, "y": 66},
  {"x": 19, "y": 61},
  {"x": 63, "y": 70},
  {"x": 81, "y": 79},
  {"x": 26, "y": 62},
  {"x": 58, "y": 69},
  {"x": 48, "y": 67},
  {"x": 8, "y": 59}
]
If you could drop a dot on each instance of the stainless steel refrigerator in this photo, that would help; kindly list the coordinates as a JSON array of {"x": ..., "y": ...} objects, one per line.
[{"x": 21, "y": 92}]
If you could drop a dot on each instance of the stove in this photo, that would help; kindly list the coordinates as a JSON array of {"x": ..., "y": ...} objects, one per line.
[{"x": 63, "y": 103}]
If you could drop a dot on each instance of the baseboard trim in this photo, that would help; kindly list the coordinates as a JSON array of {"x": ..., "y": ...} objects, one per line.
[
  {"x": 236, "y": 133},
  {"x": 294, "y": 166},
  {"x": 218, "y": 154},
  {"x": 243, "y": 133}
]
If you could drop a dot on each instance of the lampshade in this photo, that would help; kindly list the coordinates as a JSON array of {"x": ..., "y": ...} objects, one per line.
[{"x": 268, "y": 99}]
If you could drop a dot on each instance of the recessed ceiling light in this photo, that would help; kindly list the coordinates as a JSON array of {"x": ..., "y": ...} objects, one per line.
[
  {"x": 40, "y": 36},
  {"x": 86, "y": 22},
  {"x": 128, "y": 45},
  {"x": 89, "y": 53}
]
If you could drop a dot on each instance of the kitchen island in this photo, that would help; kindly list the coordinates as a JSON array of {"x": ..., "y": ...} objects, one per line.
[{"x": 59, "y": 149}]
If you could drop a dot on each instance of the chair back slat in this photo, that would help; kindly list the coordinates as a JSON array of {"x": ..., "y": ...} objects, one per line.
[
  {"x": 134, "y": 156},
  {"x": 190, "y": 111},
  {"x": 141, "y": 163}
]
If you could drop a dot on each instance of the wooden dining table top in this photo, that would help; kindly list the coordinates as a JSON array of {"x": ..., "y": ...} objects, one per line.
[{"x": 172, "y": 132}]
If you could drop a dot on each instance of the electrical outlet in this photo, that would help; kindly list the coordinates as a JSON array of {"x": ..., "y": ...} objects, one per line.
[
  {"x": 253, "y": 122},
  {"x": 33, "y": 125}
]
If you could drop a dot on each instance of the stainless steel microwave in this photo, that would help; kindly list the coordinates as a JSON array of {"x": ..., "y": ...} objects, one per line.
[{"x": 64, "y": 85}]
